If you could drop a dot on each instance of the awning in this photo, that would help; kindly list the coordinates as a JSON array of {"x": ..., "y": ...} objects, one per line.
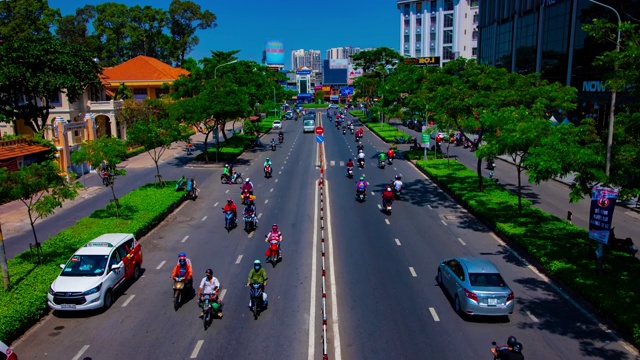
[{"x": 254, "y": 118}]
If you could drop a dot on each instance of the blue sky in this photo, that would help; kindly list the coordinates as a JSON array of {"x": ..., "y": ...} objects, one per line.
[{"x": 246, "y": 25}]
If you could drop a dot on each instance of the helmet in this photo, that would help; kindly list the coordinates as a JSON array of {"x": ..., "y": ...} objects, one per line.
[
  {"x": 388, "y": 188},
  {"x": 267, "y": 159},
  {"x": 350, "y": 159},
  {"x": 274, "y": 227},
  {"x": 517, "y": 347},
  {"x": 512, "y": 341},
  {"x": 361, "y": 178},
  {"x": 226, "y": 165},
  {"x": 209, "y": 272},
  {"x": 398, "y": 177},
  {"x": 182, "y": 255},
  {"x": 257, "y": 265},
  {"x": 246, "y": 180},
  {"x": 229, "y": 201},
  {"x": 257, "y": 262}
]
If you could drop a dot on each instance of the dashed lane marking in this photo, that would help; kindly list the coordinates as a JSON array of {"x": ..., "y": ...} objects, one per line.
[
  {"x": 223, "y": 293},
  {"x": 443, "y": 222},
  {"x": 462, "y": 242},
  {"x": 204, "y": 218},
  {"x": 82, "y": 351},
  {"x": 128, "y": 301},
  {"x": 429, "y": 206},
  {"x": 332, "y": 163},
  {"x": 271, "y": 190},
  {"x": 379, "y": 206},
  {"x": 434, "y": 314},
  {"x": 397, "y": 242},
  {"x": 162, "y": 263},
  {"x": 413, "y": 272},
  {"x": 226, "y": 192},
  {"x": 276, "y": 180},
  {"x": 266, "y": 201},
  {"x": 535, "y": 319},
  {"x": 196, "y": 350},
  {"x": 216, "y": 204},
  {"x": 239, "y": 259},
  {"x": 185, "y": 238},
  {"x": 387, "y": 221},
  {"x": 259, "y": 215},
  {"x": 372, "y": 193}
]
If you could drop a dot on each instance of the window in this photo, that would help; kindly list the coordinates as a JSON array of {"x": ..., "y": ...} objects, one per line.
[
  {"x": 406, "y": 10},
  {"x": 448, "y": 5},
  {"x": 115, "y": 260},
  {"x": 474, "y": 35},
  {"x": 434, "y": 6},
  {"x": 418, "y": 38},
  {"x": 54, "y": 98},
  {"x": 418, "y": 22},
  {"x": 406, "y": 23},
  {"x": 447, "y": 37},
  {"x": 447, "y": 52},
  {"x": 474, "y": 51},
  {"x": 418, "y": 53},
  {"x": 475, "y": 3},
  {"x": 139, "y": 94},
  {"x": 448, "y": 20},
  {"x": 406, "y": 39},
  {"x": 475, "y": 18},
  {"x": 160, "y": 92}
]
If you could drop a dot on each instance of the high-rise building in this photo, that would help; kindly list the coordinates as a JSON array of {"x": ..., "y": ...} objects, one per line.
[
  {"x": 343, "y": 52},
  {"x": 445, "y": 28},
  {"x": 306, "y": 58}
]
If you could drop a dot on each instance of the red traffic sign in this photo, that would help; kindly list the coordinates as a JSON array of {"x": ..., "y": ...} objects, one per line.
[{"x": 319, "y": 130}]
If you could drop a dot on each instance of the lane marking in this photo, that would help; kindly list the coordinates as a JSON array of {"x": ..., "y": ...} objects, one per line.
[
  {"x": 532, "y": 317},
  {"x": 251, "y": 234},
  {"x": 259, "y": 215},
  {"x": 204, "y": 218},
  {"x": 429, "y": 206},
  {"x": 84, "y": 348},
  {"x": 443, "y": 222},
  {"x": 434, "y": 314},
  {"x": 226, "y": 192},
  {"x": 332, "y": 163},
  {"x": 222, "y": 294},
  {"x": 314, "y": 271},
  {"x": 462, "y": 242},
  {"x": 397, "y": 242},
  {"x": 185, "y": 238},
  {"x": 239, "y": 258},
  {"x": 196, "y": 350},
  {"x": 162, "y": 263},
  {"x": 387, "y": 221},
  {"x": 216, "y": 204},
  {"x": 271, "y": 190},
  {"x": 279, "y": 172},
  {"x": 266, "y": 201},
  {"x": 372, "y": 193},
  {"x": 337, "y": 353},
  {"x": 276, "y": 180},
  {"x": 413, "y": 272},
  {"x": 128, "y": 301},
  {"x": 379, "y": 206}
]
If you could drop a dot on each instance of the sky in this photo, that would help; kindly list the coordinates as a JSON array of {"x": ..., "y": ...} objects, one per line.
[{"x": 247, "y": 25}]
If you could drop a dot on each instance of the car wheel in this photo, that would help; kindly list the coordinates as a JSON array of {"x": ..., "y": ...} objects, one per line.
[
  {"x": 108, "y": 299},
  {"x": 136, "y": 272}
]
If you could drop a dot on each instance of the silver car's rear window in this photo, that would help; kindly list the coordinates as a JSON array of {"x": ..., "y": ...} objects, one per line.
[{"x": 486, "y": 280}]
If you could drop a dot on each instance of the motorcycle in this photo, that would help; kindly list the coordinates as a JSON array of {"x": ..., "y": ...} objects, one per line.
[
  {"x": 280, "y": 139},
  {"x": 344, "y": 131},
  {"x": 381, "y": 164},
  {"x": 350, "y": 172},
  {"x": 250, "y": 221},
  {"x": 517, "y": 347},
  {"x": 267, "y": 171},
  {"x": 178, "y": 287},
  {"x": 396, "y": 192},
  {"x": 493, "y": 178},
  {"x": 229, "y": 220},
  {"x": 466, "y": 145},
  {"x": 361, "y": 194},
  {"x": 386, "y": 206},
  {"x": 235, "y": 178},
  {"x": 273, "y": 146},
  {"x": 107, "y": 178},
  {"x": 623, "y": 245},
  {"x": 245, "y": 196},
  {"x": 273, "y": 253},
  {"x": 257, "y": 299},
  {"x": 390, "y": 160},
  {"x": 361, "y": 163},
  {"x": 351, "y": 131},
  {"x": 209, "y": 308},
  {"x": 357, "y": 137}
]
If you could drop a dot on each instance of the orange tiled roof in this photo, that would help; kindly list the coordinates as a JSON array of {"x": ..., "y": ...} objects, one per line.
[
  {"x": 15, "y": 148},
  {"x": 142, "y": 68}
]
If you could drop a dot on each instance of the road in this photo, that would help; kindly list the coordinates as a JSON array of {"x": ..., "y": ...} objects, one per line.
[{"x": 388, "y": 303}]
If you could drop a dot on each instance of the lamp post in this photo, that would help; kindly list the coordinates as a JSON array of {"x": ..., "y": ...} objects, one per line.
[
  {"x": 613, "y": 94},
  {"x": 215, "y": 76},
  {"x": 215, "y": 71}
]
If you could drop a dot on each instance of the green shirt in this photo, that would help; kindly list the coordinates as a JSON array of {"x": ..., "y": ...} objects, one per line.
[
  {"x": 257, "y": 276},
  {"x": 382, "y": 156},
  {"x": 226, "y": 171}
]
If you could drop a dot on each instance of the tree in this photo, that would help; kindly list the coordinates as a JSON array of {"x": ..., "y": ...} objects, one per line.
[
  {"x": 25, "y": 18},
  {"x": 185, "y": 18},
  {"x": 319, "y": 96},
  {"x": 74, "y": 29},
  {"x": 34, "y": 70},
  {"x": 27, "y": 185},
  {"x": 110, "y": 26},
  {"x": 107, "y": 152},
  {"x": 145, "y": 32},
  {"x": 148, "y": 125}
]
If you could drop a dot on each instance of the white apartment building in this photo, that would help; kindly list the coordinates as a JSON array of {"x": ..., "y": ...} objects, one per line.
[
  {"x": 306, "y": 58},
  {"x": 343, "y": 52},
  {"x": 445, "y": 28}
]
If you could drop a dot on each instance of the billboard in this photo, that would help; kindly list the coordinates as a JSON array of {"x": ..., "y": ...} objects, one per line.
[
  {"x": 338, "y": 63},
  {"x": 346, "y": 91},
  {"x": 353, "y": 73},
  {"x": 423, "y": 61},
  {"x": 326, "y": 89},
  {"x": 275, "y": 52},
  {"x": 303, "y": 72}
]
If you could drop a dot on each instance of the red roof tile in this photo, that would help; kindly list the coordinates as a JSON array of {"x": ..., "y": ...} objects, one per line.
[
  {"x": 12, "y": 149},
  {"x": 142, "y": 68}
]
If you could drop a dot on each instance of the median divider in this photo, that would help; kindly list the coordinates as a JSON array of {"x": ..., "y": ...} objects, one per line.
[{"x": 386, "y": 132}]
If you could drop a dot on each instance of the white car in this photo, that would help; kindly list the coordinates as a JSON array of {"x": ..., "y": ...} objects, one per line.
[
  {"x": 333, "y": 106},
  {"x": 277, "y": 125},
  {"x": 6, "y": 353},
  {"x": 92, "y": 275}
]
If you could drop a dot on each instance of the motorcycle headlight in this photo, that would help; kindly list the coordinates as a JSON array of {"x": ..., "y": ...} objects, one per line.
[{"x": 93, "y": 290}]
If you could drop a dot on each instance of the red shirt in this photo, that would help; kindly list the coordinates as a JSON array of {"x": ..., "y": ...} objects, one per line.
[
  {"x": 349, "y": 163},
  {"x": 231, "y": 207},
  {"x": 387, "y": 195}
]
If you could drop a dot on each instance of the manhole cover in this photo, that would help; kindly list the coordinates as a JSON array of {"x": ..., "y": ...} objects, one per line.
[{"x": 451, "y": 217}]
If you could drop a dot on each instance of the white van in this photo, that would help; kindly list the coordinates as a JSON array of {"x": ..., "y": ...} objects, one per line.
[{"x": 309, "y": 124}]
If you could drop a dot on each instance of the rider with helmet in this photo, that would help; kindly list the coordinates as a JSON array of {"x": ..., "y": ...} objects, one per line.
[
  {"x": 397, "y": 183},
  {"x": 391, "y": 154},
  {"x": 275, "y": 235},
  {"x": 226, "y": 172},
  {"x": 183, "y": 269},
  {"x": 248, "y": 186},
  {"x": 361, "y": 185},
  {"x": 387, "y": 195},
  {"x": 209, "y": 286},
  {"x": 513, "y": 351},
  {"x": 258, "y": 275},
  {"x": 361, "y": 157},
  {"x": 231, "y": 206},
  {"x": 382, "y": 157},
  {"x": 349, "y": 165}
]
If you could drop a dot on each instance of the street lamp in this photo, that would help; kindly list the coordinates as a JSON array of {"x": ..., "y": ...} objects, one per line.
[
  {"x": 215, "y": 76},
  {"x": 215, "y": 71},
  {"x": 613, "y": 94}
]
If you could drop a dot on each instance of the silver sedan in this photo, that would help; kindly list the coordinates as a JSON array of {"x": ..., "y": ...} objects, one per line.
[{"x": 476, "y": 287}]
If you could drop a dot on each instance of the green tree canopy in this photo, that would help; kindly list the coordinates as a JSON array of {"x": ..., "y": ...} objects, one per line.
[
  {"x": 25, "y": 17},
  {"x": 185, "y": 18}
]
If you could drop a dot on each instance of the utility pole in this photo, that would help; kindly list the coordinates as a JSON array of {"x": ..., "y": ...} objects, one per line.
[{"x": 3, "y": 262}]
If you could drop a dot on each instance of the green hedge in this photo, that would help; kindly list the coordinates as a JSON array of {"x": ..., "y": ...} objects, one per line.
[
  {"x": 562, "y": 249},
  {"x": 25, "y": 302},
  {"x": 318, "y": 106},
  {"x": 386, "y": 132},
  {"x": 362, "y": 117},
  {"x": 230, "y": 150}
]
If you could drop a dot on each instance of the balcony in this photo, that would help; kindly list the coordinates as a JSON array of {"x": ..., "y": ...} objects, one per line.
[{"x": 105, "y": 105}]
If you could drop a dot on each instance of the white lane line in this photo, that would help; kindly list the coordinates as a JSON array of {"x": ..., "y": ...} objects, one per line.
[
  {"x": 332, "y": 163},
  {"x": 379, "y": 206},
  {"x": 266, "y": 201},
  {"x": 279, "y": 172},
  {"x": 239, "y": 259},
  {"x": 181, "y": 206},
  {"x": 434, "y": 314},
  {"x": 387, "y": 221},
  {"x": 259, "y": 215},
  {"x": 162, "y": 263},
  {"x": 462, "y": 242},
  {"x": 251, "y": 234},
  {"x": 337, "y": 353},
  {"x": 84, "y": 348},
  {"x": 429, "y": 206},
  {"x": 226, "y": 192},
  {"x": 372, "y": 193},
  {"x": 128, "y": 300},
  {"x": 314, "y": 270},
  {"x": 397, "y": 242},
  {"x": 443, "y": 222},
  {"x": 535, "y": 319},
  {"x": 413, "y": 272},
  {"x": 185, "y": 238},
  {"x": 271, "y": 190},
  {"x": 276, "y": 180},
  {"x": 196, "y": 350},
  {"x": 216, "y": 204},
  {"x": 223, "y": 293},
  {"x": 204, "y": 218}
]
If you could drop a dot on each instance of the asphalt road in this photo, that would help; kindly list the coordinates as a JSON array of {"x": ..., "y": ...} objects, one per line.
[{"x": 388, "y": 302}]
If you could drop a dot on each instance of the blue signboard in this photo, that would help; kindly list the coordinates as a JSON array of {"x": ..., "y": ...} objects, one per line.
[
  {"x": 346, "y": 90},
  {"x": 275, "y": 53},
  {"x": 320, "y": 139},
  {"x": 303, "y": 72}
]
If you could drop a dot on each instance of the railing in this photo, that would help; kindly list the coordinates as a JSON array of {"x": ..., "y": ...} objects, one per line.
[{"x": 105, "y": 105}]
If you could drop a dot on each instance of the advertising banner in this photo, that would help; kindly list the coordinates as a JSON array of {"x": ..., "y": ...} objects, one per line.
[
  {"x": 338, "y": 63},
  {"x": 423, "y": 61},
  {"x": 346, "y": 91},
  {"x": 352, "y": 74},
  {"x": 275, "y": 52},
  {"x": 317, "y": 87},
  {"x": 326, "y": 89},
  {"x": 603, "y": 202}
]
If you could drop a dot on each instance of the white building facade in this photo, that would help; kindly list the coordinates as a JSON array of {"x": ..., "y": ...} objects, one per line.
[
  {"x": 444, "y": 28},
  {"x": 343, "y": 53},
  {"x": 306, "y": 58}
]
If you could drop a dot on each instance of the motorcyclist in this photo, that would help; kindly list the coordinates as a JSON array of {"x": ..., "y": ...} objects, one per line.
[
  {"x": 280, "y": 136},
  {"x": 361, "y": 156},
  {"x": 250, "y": 208},
  {"x": 231, "y": 206},
  {"x": 266, "y": 162},
  {"x": 226, "y": 172},
  {"x": 360, "y": 147},
  {"x": 513, "y": 351},
  {"x": 387, "y": 195},
  {"x": 273, "y": 142},
  {"x": 183, "y": 269},
  {"x": 349, "y": 165},
  {"x": 397, "y": 183},
  {"x": 275, "y": 235},
  {"x": 258, "y": 275},
  {"x": 247, "y": 186},
  {"x": 382, "y": 157},
  {"x": 361, "y": 185},
  {"x": 391, "y": 154},
  {"x": 209, "y": 286}
]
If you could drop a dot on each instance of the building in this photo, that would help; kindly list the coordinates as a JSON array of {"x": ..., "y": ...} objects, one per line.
[
  {"x": 547, "y": 37},
  {"x": 343, "y": 53},
  {"x": 273, "y": 55},
  {"x": 441, "y": 28},
  {"x": 306, "y": 58}
]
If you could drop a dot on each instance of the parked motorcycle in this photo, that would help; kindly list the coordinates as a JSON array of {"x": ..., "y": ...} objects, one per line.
[
  {"x": 229, "y": 220},
  {"x": 350, "y": 172},
  {"x": 273, "y": 253},
  {"x": 257, "y": 299},
  {"x": 267, "y": 171}
]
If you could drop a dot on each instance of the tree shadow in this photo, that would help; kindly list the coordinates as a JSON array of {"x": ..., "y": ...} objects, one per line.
[
  {"x": 527, "y": 192},
  {"x": 126, "y": 211}
]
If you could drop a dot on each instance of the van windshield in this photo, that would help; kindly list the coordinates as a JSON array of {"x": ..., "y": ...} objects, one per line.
[{"x": 308, "y": 123}]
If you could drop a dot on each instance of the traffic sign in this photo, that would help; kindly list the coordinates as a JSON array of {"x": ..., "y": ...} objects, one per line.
[
  {"x": 319, "y": 130},
  {"x": 319, "y": 139}
]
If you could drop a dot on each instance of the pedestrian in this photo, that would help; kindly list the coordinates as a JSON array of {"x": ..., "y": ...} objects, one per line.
[{"x": 569, "y": 217}]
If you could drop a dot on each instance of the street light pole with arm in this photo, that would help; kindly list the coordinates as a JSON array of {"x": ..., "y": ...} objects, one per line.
[{"x": 215, "y": 76}]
